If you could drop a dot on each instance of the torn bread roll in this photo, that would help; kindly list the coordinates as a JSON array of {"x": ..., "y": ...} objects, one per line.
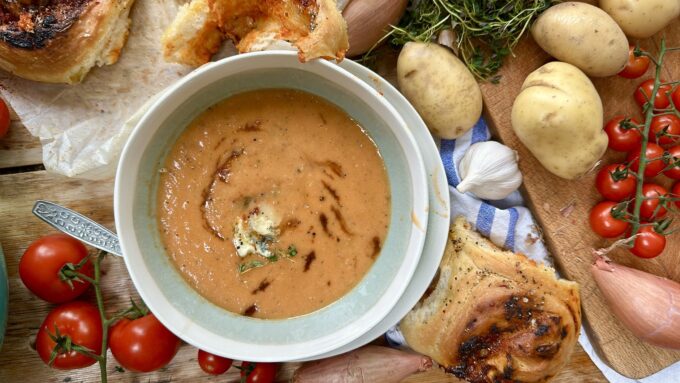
[
  {"x": 315, "y": 27},
  {"x": 59, "y": 41},
  {"x": 494, "y": 316}
]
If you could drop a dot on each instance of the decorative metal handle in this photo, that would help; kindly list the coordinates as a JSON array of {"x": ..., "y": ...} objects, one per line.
[{"x": 78, "y": 226}]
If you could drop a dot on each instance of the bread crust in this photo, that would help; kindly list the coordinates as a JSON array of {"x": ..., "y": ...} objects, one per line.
[
  {"x": 194, "y": 36},
  {"x": 95, "y": 35},
  {"x": 315, "y": 27},
  {"x": 329, "y": 38},
  {"x": 495, "y": 316}
]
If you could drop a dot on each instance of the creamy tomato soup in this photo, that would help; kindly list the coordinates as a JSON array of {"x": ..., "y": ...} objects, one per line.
[{"x": 273, "y": 203}]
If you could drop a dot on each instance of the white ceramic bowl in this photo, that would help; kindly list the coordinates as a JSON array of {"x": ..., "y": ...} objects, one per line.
[
  {"x": 211, "y": 328},
  {"x": 439, "y": 219}
]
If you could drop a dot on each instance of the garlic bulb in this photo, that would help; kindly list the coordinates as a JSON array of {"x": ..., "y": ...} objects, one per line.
[
  {"x": 447, "y": 38},
  {"x": 489, "y": 170}
]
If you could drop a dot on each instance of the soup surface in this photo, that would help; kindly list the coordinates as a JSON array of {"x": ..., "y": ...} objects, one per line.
[{"x": 273, "y": 203}]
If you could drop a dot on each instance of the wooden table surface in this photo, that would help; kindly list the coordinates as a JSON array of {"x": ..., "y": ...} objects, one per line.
[{"x": 22, "y": 181}]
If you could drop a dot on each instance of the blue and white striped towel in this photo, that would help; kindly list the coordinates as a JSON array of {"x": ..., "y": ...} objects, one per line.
[
  {"x": 510, "y": 225},
  {"x": 506, "y": 222}
]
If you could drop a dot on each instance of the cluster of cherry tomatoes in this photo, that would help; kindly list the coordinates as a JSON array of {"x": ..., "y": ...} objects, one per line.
[
  {"x": 617, "y": 183},
  {"x": 57, "y": 269},
  {"x": 138, "y": 344},
  {"x": 250, "y": 372}
]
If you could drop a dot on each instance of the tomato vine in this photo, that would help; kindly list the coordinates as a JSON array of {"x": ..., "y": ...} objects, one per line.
[
  {"x": 134, "y": 311},
  {"x": 653, "y": 148},
  {"x": 650, "y": 112}
]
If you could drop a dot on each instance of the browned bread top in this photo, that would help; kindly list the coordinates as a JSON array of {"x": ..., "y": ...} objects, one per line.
[
  {"x": 61, "y": 40},
  {"x": 494, "y": 316},
  {"x": 32, "y": 24}
]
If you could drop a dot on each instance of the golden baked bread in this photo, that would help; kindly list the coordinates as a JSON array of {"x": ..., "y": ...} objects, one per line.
[
  {"x": 494, "y": 316},
  {"x": 61, "y": 40},
  {"x": 315, "y": 27}
]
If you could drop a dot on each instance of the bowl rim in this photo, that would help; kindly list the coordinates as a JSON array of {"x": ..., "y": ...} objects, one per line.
[
  {"x": 162, "y": 307},
  {"x": 440, "y": 207}
]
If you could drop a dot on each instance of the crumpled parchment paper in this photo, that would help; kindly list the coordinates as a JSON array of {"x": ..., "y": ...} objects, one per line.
[{"x": 84, "y": 127}]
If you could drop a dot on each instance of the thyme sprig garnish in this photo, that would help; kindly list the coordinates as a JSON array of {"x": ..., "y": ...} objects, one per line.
[
  {"x": 247, "y": 266},
  {"x": 486, "y": 30},
  {"x": 277, "y": 254}
]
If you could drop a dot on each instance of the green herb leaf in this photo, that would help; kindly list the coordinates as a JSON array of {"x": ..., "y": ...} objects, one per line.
[
  {"x": 292, "y": 251},
  {"x": 244, "y": 267}
]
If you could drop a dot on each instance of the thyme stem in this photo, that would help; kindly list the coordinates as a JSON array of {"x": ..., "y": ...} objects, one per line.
[{"x": 486, "y": 30}]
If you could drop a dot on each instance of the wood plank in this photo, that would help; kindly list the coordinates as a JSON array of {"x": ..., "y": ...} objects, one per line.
[
  {"x": 567, "y": 235},
  {"x": 19, "y": 147},
  {"x": 94, "y": 199}
]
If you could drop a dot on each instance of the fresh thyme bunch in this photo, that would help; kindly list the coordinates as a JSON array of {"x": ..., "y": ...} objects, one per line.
[{"x": 486, "y": 30}]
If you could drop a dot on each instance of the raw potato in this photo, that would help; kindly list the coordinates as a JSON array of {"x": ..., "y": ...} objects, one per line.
[
  {"x": 440, "y": 87},
  {"x": 582, "y": 35},
  {"x": 642, "y": 18},
  {"x": 558, "y": 117}
]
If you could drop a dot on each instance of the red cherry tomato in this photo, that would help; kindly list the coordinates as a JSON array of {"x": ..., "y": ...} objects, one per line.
[
  {"x": 43, "y": 260},
  {"x": 636, "y": 66},
  {"x": 213, "y": 364},
  {"x": 676, "y": 97},
  {"x": 644, "y": 93},
  {"x": 674, "y": 171},
  {"x": 665, "y": 129},
  {"x": 654, "y": 153},
  {"x": 622, "y": 138},
  {"x": 649, "y": 243},
  {"x": 4, "y": 119},
  {"x": 142, "y": 344},
  {"x": 79, "y": 321},
  {"x": 651, "y": 203},
  {"x": 615, "y": 183},
  {"x": 604, "y": 223},
  {"x": 675, "y": 192},
  {"x": 258, "y": 372}
]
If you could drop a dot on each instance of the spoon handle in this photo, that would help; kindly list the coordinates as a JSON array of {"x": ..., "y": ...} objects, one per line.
[{"x": 78, "y": 226}]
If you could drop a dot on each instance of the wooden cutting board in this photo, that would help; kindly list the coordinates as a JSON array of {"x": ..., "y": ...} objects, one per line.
[{"x": 561, "y": 207}]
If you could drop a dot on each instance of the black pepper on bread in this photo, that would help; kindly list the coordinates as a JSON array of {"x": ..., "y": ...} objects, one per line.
[
  {"x": 59, "y": 41},
  {"x": 493, "y": 315}
]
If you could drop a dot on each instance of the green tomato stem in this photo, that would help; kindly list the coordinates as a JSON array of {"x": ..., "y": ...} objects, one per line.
[
  {"x": 642, "y": 162},
  {"x": 105, "y": 322}
]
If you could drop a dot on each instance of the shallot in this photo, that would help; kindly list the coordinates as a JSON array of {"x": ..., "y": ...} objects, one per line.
[
  {"x": 366, "y": 365},
  {"x": 648, "y": 305},
  {"x": 369, "y": 20}
]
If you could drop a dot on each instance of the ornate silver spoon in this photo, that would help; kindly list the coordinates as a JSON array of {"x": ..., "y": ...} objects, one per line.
[{"x": 78, "y": 226}]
